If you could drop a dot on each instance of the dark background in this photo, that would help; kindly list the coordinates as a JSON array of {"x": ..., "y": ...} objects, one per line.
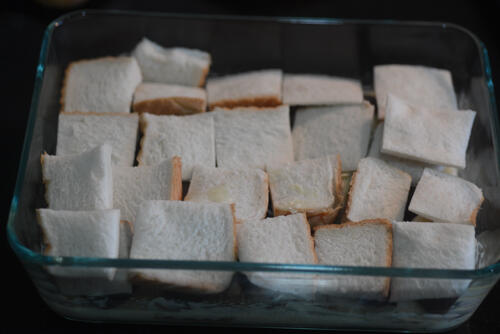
[{"x": 22, "y": 24}]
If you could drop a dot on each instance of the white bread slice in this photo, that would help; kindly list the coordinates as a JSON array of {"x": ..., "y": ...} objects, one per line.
[
  {"x": 178, "y": 65},
  {"x": 175, "y": 230},
  {"x": 248, "y": 189},
  {"x": 433, "y": 136},
  {"x": 258, "y": 88},
  {"x": 283, "y": 239},
  {"x": 431, "y": 246},
  {"x": 310, "y": 186},
  {"x": 412, "y": 167},
  {"x": 80, "y": 132},
  {"x": 378, "y": 190},
  {"x": 253, "y": 138},
  {"x": 322, "y": 131},
  {"x": 367, "y": 243},
  {"x": 190, "y": 137},
  {"x": 80, "y": 233},
  {"x": 134, "y": 185},
  {"x": 419, "y": 85},
  {"x": 100, "y": 85},
  {"x": 314, "y": 89},
  {"x": 163, "y": 99},
  {"x": 446, "y": 198},
  {"x": 79, "y": 181}
]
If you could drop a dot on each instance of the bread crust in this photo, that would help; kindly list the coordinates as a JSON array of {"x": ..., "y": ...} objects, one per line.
[
  {"x": 349, "y": 197},
  {"x": 203, "y": 77},
  {"x": 383, "y": 222},
  {"x": 473, "y": 216},
  {"x": 261, "y": 101},
  {"x": 46, "y": 244},
  {"x": 177, "y": 105},
  {"x": 143, "y": 126},
  {"x": 176, "y": 180}
]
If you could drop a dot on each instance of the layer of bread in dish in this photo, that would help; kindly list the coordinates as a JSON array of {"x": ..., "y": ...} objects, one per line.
[
  {"x": 315, "y": 89},
  {"x": 189, "y": 137},
  {"x": 80, "y": 132},
  {"x": 378, "y": 190},
  {"x": 93, "y": 233},
  {"x": 248, "y": 189},
  {"x": 176, "y": 230},
  {"x": 327, "y": 130},
  {"x": 431, "y": 246},
  {"x": 446, "y": 198},
  {"x": 258, "y": 88},
  {"x": 253, "y": 137},
  {"x": 310, "y": 186},
  {"x": 367, "y": 243},
  {"x": 283, "y": 239},
  {"x": 134, "y": 185},
  {"x": 172, "y": 65},
  {"x": 168, "y": 99},
  {"x": 100, "y": 85},
  {"x": 423, "y": 86},
  {"x": 79, "y": 181},
  {"x": 433, "y": 136}
]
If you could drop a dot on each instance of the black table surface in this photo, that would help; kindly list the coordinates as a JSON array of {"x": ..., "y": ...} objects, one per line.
[{"x": 22, "y": 24}]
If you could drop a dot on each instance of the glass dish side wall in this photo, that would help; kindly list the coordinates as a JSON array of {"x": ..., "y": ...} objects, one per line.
[{"x": 333, "y": 47}]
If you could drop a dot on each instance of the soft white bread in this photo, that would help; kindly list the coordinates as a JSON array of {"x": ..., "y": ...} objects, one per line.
[
  {"x": 322, "y": 131},
  {"x": 134, "y": 185},
  {"x": 258, "y": 88},
  {"x": 412, "y": 167},
  {"x": 175, "y": 230},
  {"x": 79, "y": 181},
  {"x": 100, "y": 85},
  {"x": 433, "y": 136},
  {"x": 431, "y": 246},
  {"x": 253, "y": 138},
  {"x": 310, "y": 186},
  {"x": 378, "y": 190},
  {"x": 419, "y": 85},
  {"x": 163, "y": 99},
  {"x": 362, "y": 244},
  {"x": 190, "y": 137},
  {"x": 283, "y": 239},
  {"x": 80, "y": 132},
  {"x": 314, "y": 89},
  {"x": 80, "y": 233},
  {"x": 248, "y": 189},
  {"x": 179, "y": 66},
  {"x": 446, "y": 198}
]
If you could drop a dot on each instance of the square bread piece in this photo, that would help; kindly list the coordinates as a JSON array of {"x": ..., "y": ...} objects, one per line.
[
  {"x": 322, "y": 131},
  {"x": 252, "y": 137},
  {"x": 431, "y": 246},
  {"x": 189, "y": 137},
  {"x": 80, "y": 233},
  {"x": 378, "y": 190},
  {"x": 434, "y": 136},
  {"x": 175, "y": 230},
  {"x": 80, "y": 132},
  {"x": 100, "y": 85},
  {"x": 163, "y": 99},
  {"x": 419, "y": 85},
  {"x": 314, "y": 89},
  {"x": 79, "y": 181},
  {"x": 283, "y": 239},
  {"x": 248, "y": 189},
  {"x": 366, "y": 243},
  {"x": 412, "y": 167},
  {"x": 134, "y": 185},
  {"x": 258, "y": 88},
  {"x": 310, "y": 186},
  {"x": 178, "y": 65},
  {"x": 446, "y": 198}
]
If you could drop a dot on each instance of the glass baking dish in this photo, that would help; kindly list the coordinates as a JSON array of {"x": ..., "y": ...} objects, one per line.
[{"x": 348, "y": 48}]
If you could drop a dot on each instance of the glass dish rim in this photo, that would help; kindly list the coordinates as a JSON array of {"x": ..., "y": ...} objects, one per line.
[{"x": 29, "y": 256}]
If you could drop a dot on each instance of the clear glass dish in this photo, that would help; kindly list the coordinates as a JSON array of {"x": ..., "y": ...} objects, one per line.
[{"x": 348, "y": 48}]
